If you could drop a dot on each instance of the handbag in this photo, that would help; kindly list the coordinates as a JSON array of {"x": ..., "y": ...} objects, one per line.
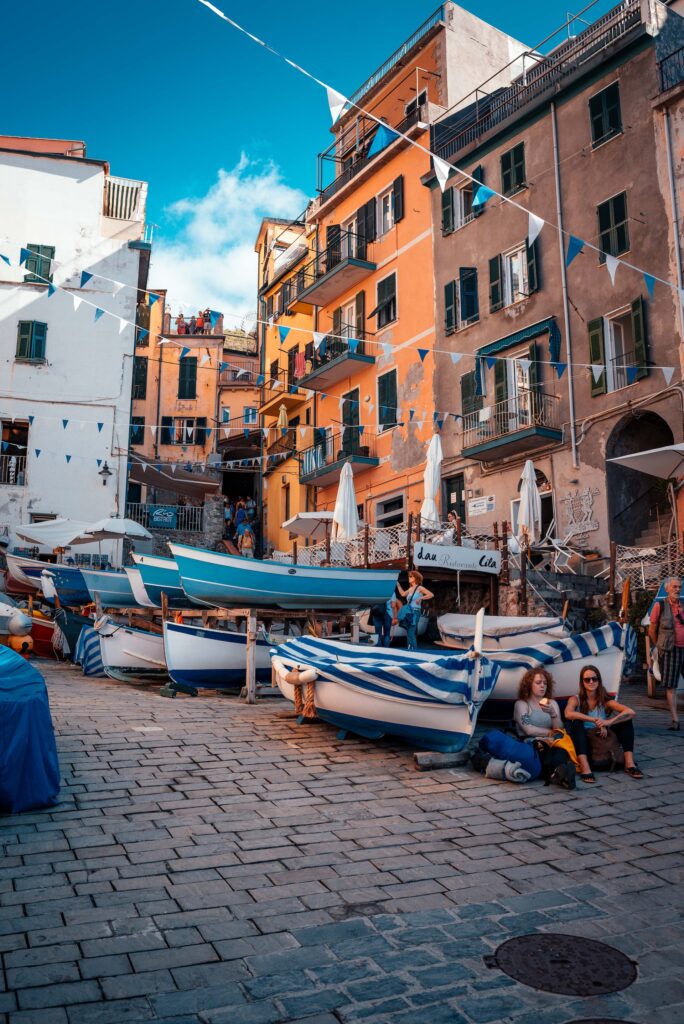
[
  {"x": 563, "y": 741},
  {"x": 407, "y": 614},
  {"x": 605, "y": 752}
]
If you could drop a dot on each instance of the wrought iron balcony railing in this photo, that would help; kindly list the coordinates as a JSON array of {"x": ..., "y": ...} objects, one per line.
[
  {"x": 672, "y": 70},
  {"x": 521, "y": 412}
]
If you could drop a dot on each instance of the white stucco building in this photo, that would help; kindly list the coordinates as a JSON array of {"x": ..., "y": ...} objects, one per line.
[{"x": 65, "y": 377}]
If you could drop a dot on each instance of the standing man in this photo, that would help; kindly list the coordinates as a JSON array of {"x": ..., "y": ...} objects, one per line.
[{"x": 666, "y": 633}]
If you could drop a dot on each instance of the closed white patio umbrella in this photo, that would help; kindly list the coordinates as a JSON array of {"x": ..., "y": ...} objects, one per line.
[
  {"x": 429, "y": 513},
  {"x": 529, "y": 514},
  {"x": 345, "y": 524}
]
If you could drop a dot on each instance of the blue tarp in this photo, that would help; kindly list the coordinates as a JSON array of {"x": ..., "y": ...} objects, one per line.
[{"x": 29, "y": 769}]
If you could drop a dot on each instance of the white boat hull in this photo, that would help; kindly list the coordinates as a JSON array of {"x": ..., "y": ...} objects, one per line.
[
  {"x": 565, "y": 675},
  {"x": 501, "y": 633},
  {"x": 211, "y": 658},
  {"x": 129, "y": 653}
]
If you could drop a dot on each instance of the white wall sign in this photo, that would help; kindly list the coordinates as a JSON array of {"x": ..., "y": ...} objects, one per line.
[
  {"x": 480, "y": 506},
  {"x": 450, "y": 556}
]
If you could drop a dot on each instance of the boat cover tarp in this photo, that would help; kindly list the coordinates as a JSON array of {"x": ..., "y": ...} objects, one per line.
[
  {"x": 71, "y": 624},
  {"x": 29, "y": 769},
  {"x": 446, "y": 679},
  {"x": 87, "y": 653},
  {"x": 496, "y": 625}
]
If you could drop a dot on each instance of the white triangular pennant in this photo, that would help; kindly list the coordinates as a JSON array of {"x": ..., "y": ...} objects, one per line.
[
  {"x": 123, "y": 324},
  {"x": 456, "y": 357},
  {"x": 668, "y": 372},
  {"x": 534, "y": 227},
  {"x": 597, "y": 369},
  {"x": 386, "y": 349},
  {"x": 337, "y": 102},
  {"x": 525, "y": 364},
  {"x": 442, "y": 170},
  {"x": 611, "y": 266},
  {"x": 318, "y": 337},
  {"x": 370, "y": 407},
  {"x": 302, "y": 431},
  {"x": 77, "y": 301},
  {"x": 173, "y": 467},
  {"x": 205, "y": 359},
  {"x": 117, "y": 286},
  {"x": 153, "y": 430},
  {"x": 485, "y": 414}
]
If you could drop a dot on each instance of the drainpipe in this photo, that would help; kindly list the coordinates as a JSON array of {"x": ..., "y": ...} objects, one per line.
[
  {"x": 564, "y": 280},
  {"x": 675, "y": 217}
]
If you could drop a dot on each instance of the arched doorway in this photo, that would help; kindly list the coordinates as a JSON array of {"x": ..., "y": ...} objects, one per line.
[{"x": 633, "y": 495}]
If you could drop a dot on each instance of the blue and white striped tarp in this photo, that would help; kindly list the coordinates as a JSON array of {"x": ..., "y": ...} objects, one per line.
[
  {"x": 573, "y": 648},
  {"x": 412, "y": 675},
  {"x": 88, "y": 653}
]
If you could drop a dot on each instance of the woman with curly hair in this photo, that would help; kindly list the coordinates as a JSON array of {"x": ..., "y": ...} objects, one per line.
[
  {"x": 593, "y": 709},
  {"x": 538, "y": 720}
]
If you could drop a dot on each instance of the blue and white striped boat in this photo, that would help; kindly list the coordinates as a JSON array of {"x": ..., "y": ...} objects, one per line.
[
  {"x": 430, "y": 701},
  {"x": 212, "y": 658},
  {"x": 230, "y": 581},
  {"x": 161, "y": 576},
  {"x": 113, "y": 588}
]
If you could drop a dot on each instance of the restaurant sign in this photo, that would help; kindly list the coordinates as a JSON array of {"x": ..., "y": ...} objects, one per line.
[
  {"x": 451, "y": 556},
  {"x": 163, "y": 517}
]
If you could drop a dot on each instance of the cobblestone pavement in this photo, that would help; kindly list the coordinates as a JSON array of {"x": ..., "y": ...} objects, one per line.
[{"x": 214, "y": 862}]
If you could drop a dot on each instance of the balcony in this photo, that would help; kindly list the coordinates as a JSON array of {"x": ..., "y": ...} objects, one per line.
[
  {"x": 338, "y": 361},
  {"x": 322, "y": 463},
  {"x": 189, "y": 518},
  {"x": 238, "y": 439},
  {"x": 341, "y": 266},
  {"x": 522, "y": 423},
  {"x": 280, "y": 389},
  {"x": 12, "y": 470},
  {"x": 239, "y": 373}
]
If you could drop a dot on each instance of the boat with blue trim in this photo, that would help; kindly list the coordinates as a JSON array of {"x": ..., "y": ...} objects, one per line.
[
  {"x": 221, "y": 580},
  {"x": 67, "y": 581},
  {"x": 113, "y": 587},
  {"x": 212, "y": 658},
  {"x": 161, "y": 576}
]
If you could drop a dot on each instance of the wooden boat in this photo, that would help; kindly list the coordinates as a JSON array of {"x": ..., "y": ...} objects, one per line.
[
  {"x": 140, "y": 595},
  {"x": 67, "y": 580},
  {"x": 17, "y": 565},
  {"x": 130, "y": 654},
  {"x": 501, "y": 633},
  {"x": 212, "y": 658},
  {"x": 229, "y": 581},
  {"x": 431, "y": 702},
  {"x": 161, "y": 576},
  {"x": 42, "y": 633},
  {"x": 113, "y": 587}
]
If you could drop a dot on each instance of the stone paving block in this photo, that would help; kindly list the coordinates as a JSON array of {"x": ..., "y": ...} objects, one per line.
[
  {"x": 261, "y": 1012},
  {"x": 127, "y": 986},
  {"x": 58, "y": 995},
  {"x": 118, "y": 1011},
  {"x": 55, "y": 1015}
]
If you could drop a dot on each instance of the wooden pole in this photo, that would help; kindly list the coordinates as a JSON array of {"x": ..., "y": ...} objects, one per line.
[
  {"x": 611, "y": 574},
  {"x": 164, "y": 606},
  {"x": 250, "y": 678},
  {"x": 496, "y": 536},
  {"x": 459, "y": 530},
  {"x": 294, "y": 552},
  {"x": 366, "y": 545},
  {"x": 505, "y": 578},
  {"x": 409, "y": 541},
  {"x": 523, "y": 579}
]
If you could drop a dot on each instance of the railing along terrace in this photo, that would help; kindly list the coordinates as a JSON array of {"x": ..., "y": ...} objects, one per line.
[
  {"x": 236, "y": 428},
  {"x": 541, "y": 76},
  {"x": 347, "y": 245},
  {"x": 189, "y": 518},
  {"x": 285, "y": 442},
  {"x": 278, "y": 385},
  {"x": 618, "y": 369},
  {"x": 239, "y": 372},
  {"x": 398, "y": 54},
  {"x": 13, "y": 470},
  {"x": 181, "y": 325},
  {"x": 332, "y": 448},
  {"x": 337, "y": 345},
  {"x": 672, "y": 70},
  {"x": 519, "y": 412}
]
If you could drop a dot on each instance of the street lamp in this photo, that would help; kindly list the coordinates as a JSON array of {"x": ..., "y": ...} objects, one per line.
[{"x": 105, "y": 472}]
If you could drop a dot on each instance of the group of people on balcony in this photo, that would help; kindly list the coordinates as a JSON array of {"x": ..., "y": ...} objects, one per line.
[{"x": 200, "y": 324}]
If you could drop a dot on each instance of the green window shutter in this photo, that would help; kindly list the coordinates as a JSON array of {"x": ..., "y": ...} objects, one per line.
[
  {"x": 39, "y": 339},
  {"x": 533, "y": 267},
  {"x": 360, "y": 315},
  {"x": 201, "y": 434},
  {"x": 470, "y": 400},
  {"x": 269, "y": 307},
  {"x": 467, "y": 288},
  {"x": 139, "y": 377},
  {"x": 450, "y": 307},
  {"x": 613, "y": 115},
  {"x": 24, "y": 339},
  {"x": 337, "y": 322},
  {"x": 500, "y": 381},
  {"x": 519, "y": 165},
  {"x": 166, "y": 430},
  {"x": 187, "y": 377},
  {"x": 478, "y": 179},
  {"x": 534, "y": 365},
  {"x": 507, "y": 172},
  {"x": 640, "y": 339},
  {"x": 447, "y": 211},
  {"x": 398, "y": 190},
  {"x": 496, "y": 297},
  {"x": 597, "y": 355},
  {"x": 359, "y": 246},
  {"x": 387, "y": 399},
  {"x": 371, "y": 226},
  {"x": 333, "y": 246}
]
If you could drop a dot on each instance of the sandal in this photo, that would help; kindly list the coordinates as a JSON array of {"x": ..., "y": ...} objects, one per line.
[
  {"x": 635, "y": 772},
  {"x": 589, "y": 778}
]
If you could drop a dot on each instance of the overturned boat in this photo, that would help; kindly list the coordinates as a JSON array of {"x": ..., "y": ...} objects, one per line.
[
  {"x": 212, "y": 658},
  {"x": 216, "y": 579}
]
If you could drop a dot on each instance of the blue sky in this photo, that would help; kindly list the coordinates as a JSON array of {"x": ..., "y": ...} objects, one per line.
[{"x": 222, "y": 130}]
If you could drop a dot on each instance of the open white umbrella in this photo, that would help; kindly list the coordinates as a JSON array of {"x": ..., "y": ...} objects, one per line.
[
  {"x": 345, "y": 517},
  {"x": 115, "y": 528},
  {"x": 429, "y": 513},
  {"x": 313, "y": 525},
  {"x": 661, "y": 462},
  {"x": 529, "y": 514},
  {"x": 55, "y": 533}
]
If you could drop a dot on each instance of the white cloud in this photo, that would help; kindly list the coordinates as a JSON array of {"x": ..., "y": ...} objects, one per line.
[{"x": 211, "y": 261}]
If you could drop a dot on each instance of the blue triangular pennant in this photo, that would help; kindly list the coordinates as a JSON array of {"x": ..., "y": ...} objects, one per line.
[
  {"x": 260, "y": 380},
  {"x": 283, "y": 333},
  {"x": 99, "y": 461},
  {"x": 353, "y": 345},
  {"x": 422, "y": 352},
  {"x": 5, "y": 445},
  {"x": 37, "y": 451},
  {"x": 184, "y": 352},
  {"x": 68, "y": 458},
  {"x": 322, "y": 347},
  {"x": 293, "y": 389},
  {"x": 246, "y": 430},
  {"x": 85, "y": 277},
  {"x": 31, "y": 419},
  {"x": 412, "y": 413},
  {"x": 142, "y": 333},
  {"x": 481, "y": 196},
  {"x": 434, "y": 416},
  {"x": 323, "y": 396},
  {"x": 152, "y": 298},
  {"x": 575, "y": 246},
  {"x": 560, "y": 369},
  {"x": 490, "y": 361},
  {"x": 6, "y": 259},
  {"x": 99, "y": 427},
  {"x": 98, "y": 313},
  {"x": 439, "y": 424},
  {"x": 51, "y": 290},
  {"x": 213, "y": 316},
  {"x": 650, "y": 281},
  {"x": 64, "y": 424},
  {"x": 23, "y": 256},
  {"x": 382, "y": 138},
  {"x": 632, "y": 372}
]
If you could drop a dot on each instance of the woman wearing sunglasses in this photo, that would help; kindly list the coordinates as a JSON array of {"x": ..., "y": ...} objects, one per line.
[{"x": 593, "y": 709}]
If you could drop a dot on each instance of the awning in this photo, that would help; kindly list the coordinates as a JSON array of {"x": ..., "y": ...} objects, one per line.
[{"x": 166, "y": 476}]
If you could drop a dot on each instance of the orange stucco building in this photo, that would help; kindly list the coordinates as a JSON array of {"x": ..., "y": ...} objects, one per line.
[{"x": 370, "y": 284}]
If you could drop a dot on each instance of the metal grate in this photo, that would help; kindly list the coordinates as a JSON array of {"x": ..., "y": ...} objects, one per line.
[{"x": 564, "y": 964}]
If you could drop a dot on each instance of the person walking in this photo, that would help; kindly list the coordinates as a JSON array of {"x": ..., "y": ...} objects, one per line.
[
  {"x": 666, "y": 633},
  {"x": 247, "y": 543},
  {"x": 409, "y": 613}
]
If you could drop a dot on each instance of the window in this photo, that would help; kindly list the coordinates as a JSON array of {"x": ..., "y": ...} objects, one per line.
[
  {"x": 31, "y": 336},
  {"x": 604, "y": 114},
  {"x": 187, "y": 377},
  {"x": 457, "y": 207},
  {"x": 137, "y": 430},
  {"x": 471, "y": 401},
  {"x": 250, "y": 414},
  {"x": 286, "y": 503},
  {"x": 612, "y": 225},
  {"x": 13, "y": 452},
  {"x": 461, "y": 304},
  {"x": 513, "y": 169},
  {"x": 513, "y": 275},
  {"x": 386, "y": 309},
  {"x": 184, "y": 430},
  {"x": 139, "y": 377},
  {"x": 619, "y": 343},
  {"x": 390, "y": 511},
  {"x": 516, "y": 399},
  {"x": 387, "y": 400},
  {"x": 225, "y": 414},
  {"x": 385, "y": 212},
  {"x": 39, "y": 263}
]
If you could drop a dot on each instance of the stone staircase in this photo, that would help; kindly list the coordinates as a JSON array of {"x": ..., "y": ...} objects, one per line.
[
  {"x": 656, "y": 532},
  {"x": 548, "y": 591}
]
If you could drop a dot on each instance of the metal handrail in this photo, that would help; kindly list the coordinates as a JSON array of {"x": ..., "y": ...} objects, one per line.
[
  {"x": 520, "y": 411},
  {"x": 332, "y": 448},
  {"x": 672, "y": 70},
  {"x": 349, "y": 245},
  {"x": 394, "y": 59}
]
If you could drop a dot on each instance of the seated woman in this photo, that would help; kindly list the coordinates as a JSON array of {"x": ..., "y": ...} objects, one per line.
[
  {"x": 593, "y": 709},
  {"x": 538, "y": 720}
]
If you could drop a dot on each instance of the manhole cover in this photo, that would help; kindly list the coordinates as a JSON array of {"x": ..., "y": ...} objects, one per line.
[{"x": 564, "y": 964}]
